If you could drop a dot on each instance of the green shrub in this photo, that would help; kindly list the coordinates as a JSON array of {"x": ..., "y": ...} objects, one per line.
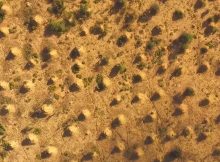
[
  {"x": 31, "y": 24},
  {"x": 2, "y": 13},
  {"x": 6, "y": 146},
  {"x": 57, "y": 7},
  {"x": 185, "y": 38},
  {"x": 209, "y": 30},
  {"x": 1, "y": 4},
  {"x": 177, "y": 15},
  {"x": 122, "y": 40},
  {"x": 119, "y": 4},
  {"x": 83, "y": 13},
  {"x": 99, "y": 82},
  {"x": 69, "y": 18},
  {"x": 153, "y": 42},
  {"x": 2, "y": 130},
  {"x": 141, "y": 65},
  {"x": 157, "y": 55},
  {"x": 154, "y": 9},
  {"x": 99, "y": 30},
  {"x": 75, "y": 68},
  {"x": 57, "y": 27},
  {"x": 37, "y": 131},
  {"x": 122, "y": 68},
  {"x": 188, "y": 92},
  {"x": 129, "y": 18},
  {"x": 29, "y": 53},
  {"x": 87, "y": 81}
]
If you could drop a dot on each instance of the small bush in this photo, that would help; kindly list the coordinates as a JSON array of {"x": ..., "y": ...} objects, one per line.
[
  {"x": 177, "y": 15},
  {"x": 98, "y": 29},
  {"x": 185, "y": 38},
  {"x": 216, "y": 18},
  {"x": 2, "y": 13},
  {"x": 121, "y": 68},
  {"x": 37, "y": 131},
  {"x": 180, "y": 45},
  {"x": 57, "y": 7},
  {"x": 87, "y": 81},
  {"x": 188, "y": 92},
  {"x": 129, "y": 18},
  {"x": 45, "y": 54},
  {"x": 103, "y": 61},
  {"x": 158, "y": 54},
  {"x": 152, "y": 43},
  {"x": 177, "y": 72},
  {"x": 2, "y": 130},
  {"x": 75, "y": 68},
  {"x": 1, "y": 4},
  {"x": 122, "y": 40},
  {"x": 99, "y": 82},
  {"x": 118, "y": 5},
  {"x": 69, "y": 18},
  {"x": 31, "y": 24},
  {"x": 6, "y": 146},
  {"x": 117, "y": 69},
  {"x": 28, "y": 52},
  {"x": 156, "y": 31},
  {"x": 199, "y": 4},
  {"x": 210, "y": 30},
  {"x": 57, "y": 27},
  {"x": 75, "y": 53},
  {"x": 149, "y": 13},
  {"x": 83, "y": 13},
  {"x": 203, "y": 50},
  {"x": 174, "y": 154},
  {"x": 154, "y": 9}
]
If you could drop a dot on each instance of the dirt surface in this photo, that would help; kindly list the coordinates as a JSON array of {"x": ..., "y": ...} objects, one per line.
[{"x": 113, "y": 81}]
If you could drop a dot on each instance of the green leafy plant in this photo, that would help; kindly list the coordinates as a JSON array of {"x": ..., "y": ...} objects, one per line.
[
  {"x": 75, "y": 68},
  {"x": 152, "y": 43},
  {"x": 6, "y": 146},
  {"x": 31, "y": 24},
  {"x": 37, "y": 131},
  {"x": 157, "y": 55},
  {"x": 57, "y": 7},
  {"x": 99, "y": 82},
  {"x": 185, "y": 38},
  {"x": 28, "y": 52},
  {"x": 83, "y": 13},
  {"x": 180, "y": 44},
  {"x": 99, "y": 30},
  {"x": 2, "y": 13},
  {"x": 2, "y": 130},
  {"x": 121, "y": 68},
  {"x": 57, "y": 27},
  {"x": 87, "y": 81}
]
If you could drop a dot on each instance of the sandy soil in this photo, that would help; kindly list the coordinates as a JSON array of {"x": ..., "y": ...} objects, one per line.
[{"x": 117, "y": 81}]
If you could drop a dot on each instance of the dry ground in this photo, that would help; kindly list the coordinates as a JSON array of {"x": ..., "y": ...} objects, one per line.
[{"x": 134, "y": 93}]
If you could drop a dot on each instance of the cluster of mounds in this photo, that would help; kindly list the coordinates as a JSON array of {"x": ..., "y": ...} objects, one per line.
[{"x": 121, "y": 80}]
